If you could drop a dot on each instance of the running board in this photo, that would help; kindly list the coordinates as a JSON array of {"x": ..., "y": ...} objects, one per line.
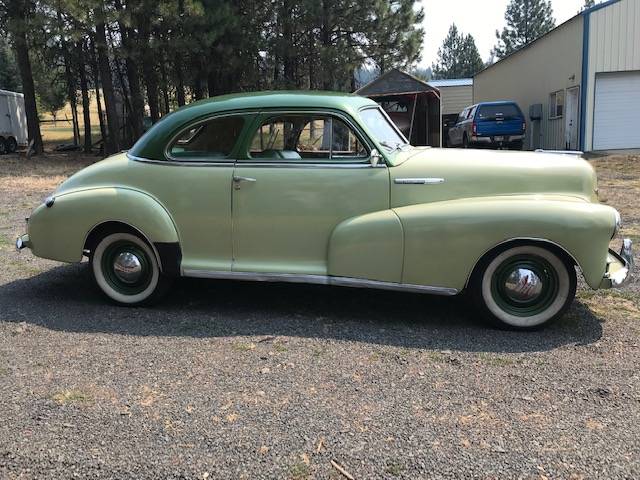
[{"x": 319, "y": 280}]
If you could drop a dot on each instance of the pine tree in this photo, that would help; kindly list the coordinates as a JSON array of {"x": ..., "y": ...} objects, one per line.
[
  {"x": 458, "y": 57},
  {"x": 527, "y": 20}
]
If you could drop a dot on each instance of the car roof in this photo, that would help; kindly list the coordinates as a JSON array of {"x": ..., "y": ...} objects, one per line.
[
  {"x": 501, "y": 102},
  {"x": 152, "y": 143}
]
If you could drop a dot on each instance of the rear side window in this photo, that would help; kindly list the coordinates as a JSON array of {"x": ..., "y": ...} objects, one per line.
[
  {"x": 213, "y": 139},
  {"x": 507, "y": 111}
]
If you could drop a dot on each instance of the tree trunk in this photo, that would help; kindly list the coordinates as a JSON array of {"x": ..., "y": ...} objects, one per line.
[
  {"x": 177, "y": 68},
  {"x": 112, "y": 142},
  {"x": 71, "y": 87},
  {"x": 177, "y": 64},
  {"x": 136, "y": 111},
  {"x": 149, "y": 69},
  {"x": 96, "y": 82},
  {"x": 17, "y": 11},
  {"x": 86, "y": 114},
  {"x": 165, "y": 87}
]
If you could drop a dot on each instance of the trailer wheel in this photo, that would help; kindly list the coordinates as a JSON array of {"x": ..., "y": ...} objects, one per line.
[
  {"x": 11, "y": 145},
  {"x": 3, "y": 146}
]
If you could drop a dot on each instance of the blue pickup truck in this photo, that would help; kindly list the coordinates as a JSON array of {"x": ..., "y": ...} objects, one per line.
[{"x": 489, "y": 124}]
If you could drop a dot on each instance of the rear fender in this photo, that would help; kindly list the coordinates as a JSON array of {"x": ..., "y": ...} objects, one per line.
[{"x": 59, "y": 232}]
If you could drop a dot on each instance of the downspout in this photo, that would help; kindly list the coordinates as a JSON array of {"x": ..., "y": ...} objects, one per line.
[{"x": 584, "y": 81}]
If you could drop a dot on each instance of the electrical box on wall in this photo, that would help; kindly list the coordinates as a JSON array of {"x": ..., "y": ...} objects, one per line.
[{"x": 535, "y": 111}]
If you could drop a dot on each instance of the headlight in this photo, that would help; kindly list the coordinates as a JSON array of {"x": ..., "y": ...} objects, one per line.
[{"x": 618, "y": 224}]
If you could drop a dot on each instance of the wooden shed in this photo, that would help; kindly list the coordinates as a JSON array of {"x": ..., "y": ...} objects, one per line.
[{"x": 412, "y": 104}]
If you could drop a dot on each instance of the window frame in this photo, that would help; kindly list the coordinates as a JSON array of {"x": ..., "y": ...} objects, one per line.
[
  {"x": 233, "y": 154},
  {"x": 553, "y": 113},
  {"x": 265, "y": 115}
]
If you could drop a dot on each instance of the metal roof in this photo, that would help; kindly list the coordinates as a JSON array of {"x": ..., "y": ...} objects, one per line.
[
  {"x": 395, "y": 82},
  {"x": 452, "y": 82}
]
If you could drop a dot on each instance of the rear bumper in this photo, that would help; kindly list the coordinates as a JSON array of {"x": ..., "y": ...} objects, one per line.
[
  {"x": 619, "y": 266},
  {"x": 492, "y": 139}
]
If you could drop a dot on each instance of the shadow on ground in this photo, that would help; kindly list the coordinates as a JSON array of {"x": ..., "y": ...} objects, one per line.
[{"x": 64, "y": 299}]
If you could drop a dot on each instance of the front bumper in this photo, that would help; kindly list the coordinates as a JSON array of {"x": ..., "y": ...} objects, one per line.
[
  {"x": 23, "y": 242},
  {"x": 619, "y": 266}
]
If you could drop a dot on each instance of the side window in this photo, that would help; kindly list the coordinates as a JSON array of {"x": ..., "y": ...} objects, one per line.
[
  {"x": 213, "y": 139},
  {"x": 472, "y": 112},
  {"x": 306, "y": 137},
  {"x": 463, "y": 115}
]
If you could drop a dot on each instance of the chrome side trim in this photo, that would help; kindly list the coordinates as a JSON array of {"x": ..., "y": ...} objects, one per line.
[
  {"x": 318, "y": 280},
  {"x": 184, "y": 163},
  {"x": 418, "y": 181},
  {"x": 575, "y": 153},
  {"x": 243, "y": 163}
]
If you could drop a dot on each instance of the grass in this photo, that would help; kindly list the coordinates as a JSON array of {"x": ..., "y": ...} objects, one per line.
[
  {"x": 65, "y": 397},
  {"x": 394, "y": 468},
  {"x": 62, "y": 132},
  {"x": 243, "y": 347},
  {"x": 299, "y": 471}
]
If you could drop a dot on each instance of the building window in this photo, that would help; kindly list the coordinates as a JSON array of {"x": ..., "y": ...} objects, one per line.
[{"x": 556, "y": 104}]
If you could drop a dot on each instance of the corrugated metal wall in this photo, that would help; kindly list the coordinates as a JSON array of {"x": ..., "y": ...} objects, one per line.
[
  {"x": 614, "y": 46},
  {"x": 456, "y": 99},
  {"x": 530, "y": 76}
]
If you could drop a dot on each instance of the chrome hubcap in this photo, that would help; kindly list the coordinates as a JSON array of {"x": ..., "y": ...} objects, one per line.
[
  {"x": 127, "y": 267},
  {"x": 523, "y": 285}
]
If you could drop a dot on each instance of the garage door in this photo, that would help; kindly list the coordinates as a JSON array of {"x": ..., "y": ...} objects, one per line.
[{"x": 617, "y": 110}]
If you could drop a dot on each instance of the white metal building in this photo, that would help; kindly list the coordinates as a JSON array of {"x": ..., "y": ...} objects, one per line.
[{"x": 580, "y": 83}]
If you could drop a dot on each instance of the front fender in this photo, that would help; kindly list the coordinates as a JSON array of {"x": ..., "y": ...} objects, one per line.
[
  {"x": 445, "y": 240},
  {"x": 59, "y": 232}
]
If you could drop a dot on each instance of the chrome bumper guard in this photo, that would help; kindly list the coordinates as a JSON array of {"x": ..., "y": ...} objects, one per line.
[
  {"x": 620, "y": 265},
  {"x": 23, "y": 242}
]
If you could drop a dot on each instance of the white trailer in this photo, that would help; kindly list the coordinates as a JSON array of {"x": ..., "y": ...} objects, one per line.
[{"x": 13, "y": 122}]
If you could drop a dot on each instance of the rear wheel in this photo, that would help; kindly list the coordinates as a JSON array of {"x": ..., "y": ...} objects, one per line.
[
  {"x": 11, "y": 144},
  {"x": 127, "y": 271},
  {"x": 3, "y": 146},
  {"x": 517, "y": 145},
  {"x": 523, "y": 287}
]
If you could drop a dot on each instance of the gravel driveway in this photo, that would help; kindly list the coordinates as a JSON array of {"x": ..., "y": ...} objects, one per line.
[{"x": 239, "y": 380}]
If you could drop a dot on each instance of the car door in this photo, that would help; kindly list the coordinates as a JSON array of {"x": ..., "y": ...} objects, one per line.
[
  {"x": 194, "y": 184},
  {"x": 303, "y": 174}
]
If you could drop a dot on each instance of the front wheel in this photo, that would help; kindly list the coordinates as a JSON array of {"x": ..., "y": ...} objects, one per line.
[
  {"x": 523, "y": 288},
  {"x": 3, "y": 146},
  {"x": 126, "y": 269}
]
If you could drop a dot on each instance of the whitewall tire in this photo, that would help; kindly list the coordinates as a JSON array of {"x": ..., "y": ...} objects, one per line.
[
  {"x": 126, "y": 269},
  {"x": 523, "y": 287}
]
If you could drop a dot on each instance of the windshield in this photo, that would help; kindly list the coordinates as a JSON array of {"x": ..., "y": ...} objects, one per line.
[{"x": 382, "y": 130}]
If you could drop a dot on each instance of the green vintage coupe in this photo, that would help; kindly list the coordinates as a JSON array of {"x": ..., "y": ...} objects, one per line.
[{"x": 323, "y": 188}]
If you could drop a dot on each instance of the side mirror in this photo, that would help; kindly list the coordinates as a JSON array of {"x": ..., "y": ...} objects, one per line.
[{"x": 375, "y": 157}]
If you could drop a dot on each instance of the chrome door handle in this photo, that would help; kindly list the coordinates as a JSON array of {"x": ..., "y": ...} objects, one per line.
[
  {"x": 243, "y": 179},
  {"x": 418, "y": 181}
]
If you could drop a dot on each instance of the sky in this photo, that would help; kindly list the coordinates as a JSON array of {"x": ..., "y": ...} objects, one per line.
[{"x": 480, "y": 18}]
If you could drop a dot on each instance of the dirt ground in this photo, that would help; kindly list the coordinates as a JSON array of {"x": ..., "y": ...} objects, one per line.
[{"x": 241, "y": 380}]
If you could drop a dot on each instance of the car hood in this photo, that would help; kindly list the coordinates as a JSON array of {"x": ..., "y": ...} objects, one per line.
[{"x": 456, "y": 174}]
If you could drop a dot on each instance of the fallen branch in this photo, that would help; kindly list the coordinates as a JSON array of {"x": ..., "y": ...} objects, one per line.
[{"x": 338, "y": 467}]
